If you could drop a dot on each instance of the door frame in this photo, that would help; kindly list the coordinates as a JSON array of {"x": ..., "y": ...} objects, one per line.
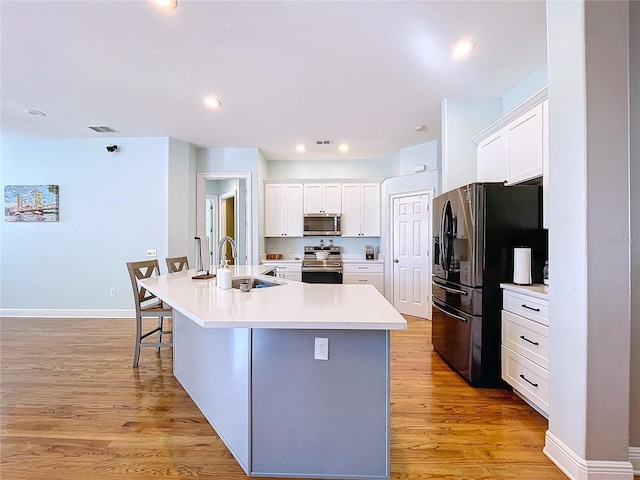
[
  {"x": 201, "y": 191},
  {"x": 214, "y": 235},
  {"x": 430, "y": 192}
]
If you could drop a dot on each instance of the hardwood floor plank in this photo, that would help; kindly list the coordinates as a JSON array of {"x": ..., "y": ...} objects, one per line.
[{"x": 73, "y": 408}]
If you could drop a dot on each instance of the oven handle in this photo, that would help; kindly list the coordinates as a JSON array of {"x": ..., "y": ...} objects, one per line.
[
  {"x": 451, "y": 290},
  {"x": 320, "y": 269},
  {"x": 457, "y": 317}
]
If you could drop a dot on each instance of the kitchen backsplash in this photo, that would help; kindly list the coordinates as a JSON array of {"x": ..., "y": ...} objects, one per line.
[{"x": 349, "y": 245}]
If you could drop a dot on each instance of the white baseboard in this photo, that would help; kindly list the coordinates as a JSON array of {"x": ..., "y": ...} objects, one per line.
[
  {"x": 634, "y": 456},
  {"x": 577, "y": 468},
  {"x": 68, "y": 313}
]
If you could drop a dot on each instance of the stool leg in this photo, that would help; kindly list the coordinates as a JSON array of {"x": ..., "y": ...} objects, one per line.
[
  {"x": 136, "y": 355},
  {"x": 160, "y": 326}
]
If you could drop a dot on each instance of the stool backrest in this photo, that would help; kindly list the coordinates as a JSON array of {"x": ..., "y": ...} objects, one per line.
[
  {"x": 142, "y": 270},
  {"x": 177, "y": 264}
]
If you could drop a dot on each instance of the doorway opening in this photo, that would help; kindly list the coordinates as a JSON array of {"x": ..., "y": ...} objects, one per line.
[
  {"x": 227, "y": 224},
  {"x": 212, "y": 215}
]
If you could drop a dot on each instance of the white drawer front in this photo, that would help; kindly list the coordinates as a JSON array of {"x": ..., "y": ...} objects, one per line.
[
  {"x": 535, "y": 309},
  {"x": 289, "y": 267},
  {"x": 364, "y": 279},
  {"x": 529, "y": 379},
  {"x": 363, "y": 268},
  {"x": 526, "y": 337}
]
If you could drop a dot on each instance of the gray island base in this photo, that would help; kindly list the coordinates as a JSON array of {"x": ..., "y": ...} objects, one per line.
[{"x": 281, "y": 412}]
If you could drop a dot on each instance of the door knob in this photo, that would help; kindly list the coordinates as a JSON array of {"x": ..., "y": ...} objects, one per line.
[{"x": 395, "y": 260}]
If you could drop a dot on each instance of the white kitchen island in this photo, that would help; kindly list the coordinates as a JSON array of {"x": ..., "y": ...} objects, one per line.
[{"x": 247, "y": 361}]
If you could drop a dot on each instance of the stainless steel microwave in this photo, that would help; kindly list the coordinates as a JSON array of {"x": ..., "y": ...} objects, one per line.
[{"x": 322, "y": 224}]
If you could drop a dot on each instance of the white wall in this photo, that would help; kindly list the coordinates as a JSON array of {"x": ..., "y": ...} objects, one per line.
[
  {"x": 533, "y": 83},
  {"x": 181, "y": 199},
  {"x": 634, "y": 53},
  {"x": 589, "y": 294},
  {"x": 330, "y": 169},
  {"x": 113, "y": 206},
  {"x": 462, "y": 119},
  {"x": 424, "y": 155}
]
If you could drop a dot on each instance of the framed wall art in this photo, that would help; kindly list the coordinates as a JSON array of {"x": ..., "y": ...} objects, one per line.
[{"x": 31, "y": 203}]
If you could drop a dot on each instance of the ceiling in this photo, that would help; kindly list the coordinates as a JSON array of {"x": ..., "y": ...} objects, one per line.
[{"x": 360, "y": 72}]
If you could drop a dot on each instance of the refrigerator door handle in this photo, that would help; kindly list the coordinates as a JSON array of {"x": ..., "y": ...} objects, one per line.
[
  {"x": 450, "y": 290},
  {"x": 444, "y": 247},
  {"x": 457, "y": 317},
  {"x": 441, "y": 259}
]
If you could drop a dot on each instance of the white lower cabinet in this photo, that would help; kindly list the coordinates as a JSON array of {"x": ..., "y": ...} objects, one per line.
[
  {"x": 287, "y": 270},
  {"x": 525, "y": 347},
  {"x": 364, "y": 274}
]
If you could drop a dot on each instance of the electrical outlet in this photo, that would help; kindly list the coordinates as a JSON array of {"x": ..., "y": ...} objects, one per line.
[
  {"x": 113, "y": 292},
  {"x": 151, "y": 252},
  {"x": 321, "y": 351}
]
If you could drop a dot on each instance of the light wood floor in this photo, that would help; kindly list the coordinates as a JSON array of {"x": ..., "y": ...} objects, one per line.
[{"x": 74, "y": 409}]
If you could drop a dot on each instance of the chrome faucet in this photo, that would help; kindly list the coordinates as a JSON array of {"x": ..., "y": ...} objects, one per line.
[{"x": 234, "y": 252}]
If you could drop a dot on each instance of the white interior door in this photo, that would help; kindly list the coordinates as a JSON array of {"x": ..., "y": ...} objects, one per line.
[{"x": 411, "y": 255}]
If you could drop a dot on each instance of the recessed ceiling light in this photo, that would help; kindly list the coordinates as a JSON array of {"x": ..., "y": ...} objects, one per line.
[
  {"x": 343, "y": 147},
  {"x": 420, "y": 128},
  {"x": 463, "y": 48},
  {"x": 212, "y": 102},
  {"x": 166, "y": 4},
  {"x": 34, "y": 112},
  {"x": 300, "y": 148}
]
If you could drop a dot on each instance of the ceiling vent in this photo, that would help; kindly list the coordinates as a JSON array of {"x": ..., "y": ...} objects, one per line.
[
  {"x": 323, "y": 142},
  {"x": 103, "y": 129}
]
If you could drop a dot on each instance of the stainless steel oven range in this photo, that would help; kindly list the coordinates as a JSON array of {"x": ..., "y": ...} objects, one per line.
[{"x": 318, "y": 270}]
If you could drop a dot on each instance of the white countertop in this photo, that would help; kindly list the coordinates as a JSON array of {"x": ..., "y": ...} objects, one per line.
[
  {"x": 292, "y": 305},
  {"x": 535, "y": 290}
]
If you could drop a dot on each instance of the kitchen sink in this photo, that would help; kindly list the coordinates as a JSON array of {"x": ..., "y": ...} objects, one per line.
[{"x": 255, "y": 282}]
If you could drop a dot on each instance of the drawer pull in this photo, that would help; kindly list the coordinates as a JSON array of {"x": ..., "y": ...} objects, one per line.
[
  {"x": 530, "y": 308},
  {"x": 528, "y": 381},
  {"x": 527, "y": 340},
  {"x": 361, "y": 280},
  {"x": 363, "y": 268}
]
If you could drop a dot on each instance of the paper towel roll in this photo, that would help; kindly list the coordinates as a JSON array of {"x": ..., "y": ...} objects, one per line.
[{"x": 522, "y": 266}]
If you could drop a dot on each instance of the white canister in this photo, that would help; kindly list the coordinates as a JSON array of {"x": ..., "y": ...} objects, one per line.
[
  {"x": 223, "y": 279},
  {"x": 522, "y": 266}
]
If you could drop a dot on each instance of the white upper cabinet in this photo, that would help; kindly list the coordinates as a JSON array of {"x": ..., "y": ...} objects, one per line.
[
  {"x": 360, "y": 210},
  {"x": 322, "y": 198},
  {"x": 283, "y": 210},
  {"x": 514, "y": 149},
  {"x": 525, "y": 145},
  {"x": 492, "y": 158}
]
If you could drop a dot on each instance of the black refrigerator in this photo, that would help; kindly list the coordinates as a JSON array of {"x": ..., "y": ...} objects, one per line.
[{"x": 476, "y": 229}]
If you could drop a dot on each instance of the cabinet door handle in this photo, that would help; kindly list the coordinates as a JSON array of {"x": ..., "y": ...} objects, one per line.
[
  {"x": 527, "y": 340},
  {"x": 528, "y": 381},
  {"x": 530, "y": 308}
]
